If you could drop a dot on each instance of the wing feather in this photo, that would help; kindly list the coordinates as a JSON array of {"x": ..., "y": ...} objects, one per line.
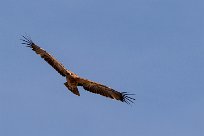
[
  {"x": 105, "y": 91},
  {"x": 46, "y": 56}
]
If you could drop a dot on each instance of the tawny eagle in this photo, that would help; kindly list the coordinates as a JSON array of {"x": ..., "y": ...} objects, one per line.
[{"x": 74, "y": 80}]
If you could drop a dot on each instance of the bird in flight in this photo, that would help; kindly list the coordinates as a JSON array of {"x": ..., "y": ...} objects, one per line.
[{"x": 73, "y": 80}]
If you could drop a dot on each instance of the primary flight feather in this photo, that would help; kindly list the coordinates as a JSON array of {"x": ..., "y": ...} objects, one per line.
[{"x": 74, "y": 80}]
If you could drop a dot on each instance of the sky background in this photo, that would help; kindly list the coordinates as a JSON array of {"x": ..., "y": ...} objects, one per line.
[{"x": 152, "y": 48}]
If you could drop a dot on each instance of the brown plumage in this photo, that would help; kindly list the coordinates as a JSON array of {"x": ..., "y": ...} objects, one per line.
[{"x": 74, "y": 80}]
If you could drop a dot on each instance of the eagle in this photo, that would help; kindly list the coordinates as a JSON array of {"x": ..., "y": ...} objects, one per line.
[{"x": 73, "y": 80}]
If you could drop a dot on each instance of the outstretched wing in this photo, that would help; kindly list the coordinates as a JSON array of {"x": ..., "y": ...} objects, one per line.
[
  {"x": 105, "y": 91},
  {"x": 46, "y": 56}
]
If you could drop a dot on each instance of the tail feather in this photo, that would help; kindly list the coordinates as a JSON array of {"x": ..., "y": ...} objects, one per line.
[{"x": 73, "y": 89}]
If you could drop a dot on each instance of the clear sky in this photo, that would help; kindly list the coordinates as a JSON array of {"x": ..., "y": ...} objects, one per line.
[{"x": 153, "y": 48}]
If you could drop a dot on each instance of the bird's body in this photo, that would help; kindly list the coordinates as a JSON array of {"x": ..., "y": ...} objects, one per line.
[{"x": 73, "y": 80}]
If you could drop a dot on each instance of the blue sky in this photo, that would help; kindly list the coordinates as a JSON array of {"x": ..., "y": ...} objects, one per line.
[{"x": 153, "y": 48}]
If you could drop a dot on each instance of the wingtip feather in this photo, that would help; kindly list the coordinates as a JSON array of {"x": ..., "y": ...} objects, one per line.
[
  {"x": 27, "y": 40},
  {"x": 126, "y": 98}
]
